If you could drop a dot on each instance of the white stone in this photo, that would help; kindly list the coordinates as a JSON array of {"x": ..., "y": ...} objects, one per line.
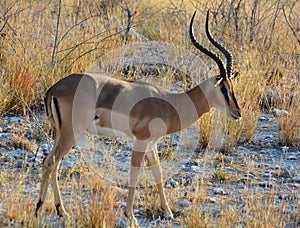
[
  {"x": 278, "y": 112},
  {"x": 218, "y": 191}
]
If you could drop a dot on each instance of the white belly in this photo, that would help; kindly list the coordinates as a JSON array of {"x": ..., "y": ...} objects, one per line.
[
  {"x": 93, "y": 128},
  {"x": 110, "y": 132}
]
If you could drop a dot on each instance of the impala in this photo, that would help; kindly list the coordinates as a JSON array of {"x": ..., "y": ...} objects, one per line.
[{"x": 138, "y": 110}]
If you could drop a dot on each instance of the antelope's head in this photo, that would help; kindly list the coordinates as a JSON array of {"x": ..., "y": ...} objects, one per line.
[{"x": 221, "y": 94}]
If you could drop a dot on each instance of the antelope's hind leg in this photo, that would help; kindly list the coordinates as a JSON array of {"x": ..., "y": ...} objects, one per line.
[
  {"x": 61, "y": 212},
  {"x": 50, "y": 168},
  {"x": 70, "y": 130}
]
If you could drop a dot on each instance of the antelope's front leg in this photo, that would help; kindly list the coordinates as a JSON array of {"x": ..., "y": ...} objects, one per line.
[
  {"x": 136, "y": 164},
  {"x": 154, "y": 165}
]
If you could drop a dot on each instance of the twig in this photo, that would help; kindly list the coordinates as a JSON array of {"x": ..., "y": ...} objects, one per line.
[
  {"x": 36, "y": 121},
  {"x": 56, "y": 42},
  {"x": 73, "y": 48},
  {"x": 5, "y": 22},
  {"x": 290, "y": 26},
  {"x": 236, "y": 21},
  {"x": 19, "y": 40},
  {"x": 272, "y": 27},
  {"x": 71, "y": 28},
  {"x": 253, "y": 20},
  {"x": 129, "y": 15},
  {"x": 89, "y": 51}
]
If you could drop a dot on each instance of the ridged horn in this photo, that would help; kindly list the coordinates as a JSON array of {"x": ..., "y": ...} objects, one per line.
[
  {"x": 227, "y": 54},
  {"x": 209, "y": 53}
]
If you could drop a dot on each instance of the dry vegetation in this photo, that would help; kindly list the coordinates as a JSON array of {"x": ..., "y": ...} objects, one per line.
[{"x": 43, "y": 41}]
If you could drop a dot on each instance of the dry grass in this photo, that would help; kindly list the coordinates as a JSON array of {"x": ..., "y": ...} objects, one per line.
[
  {"x": 41, "y": 42},
  {"x": 94, "y": 202},
  {"x": 90, "y": 201},
  {"x": 290, "y": 125},
  {"x": 249, "y": 209}
]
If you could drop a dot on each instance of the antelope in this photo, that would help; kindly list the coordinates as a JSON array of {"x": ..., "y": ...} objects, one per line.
[{"x": 138, "y": 110}]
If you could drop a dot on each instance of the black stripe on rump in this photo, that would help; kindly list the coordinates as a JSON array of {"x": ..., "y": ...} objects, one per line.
[{"x": 57, "y": 110}]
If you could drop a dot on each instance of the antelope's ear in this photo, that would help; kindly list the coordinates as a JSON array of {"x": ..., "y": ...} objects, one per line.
[
  {"x": 219, "y": 80},
  {"x": 234, "y": 75}
]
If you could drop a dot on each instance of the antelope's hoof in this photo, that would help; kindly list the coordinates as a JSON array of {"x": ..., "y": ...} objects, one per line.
[
  {"x": 127, "y": 222},
  {"x": 133, "y": 223},
  {"x": 65, "y": 216},
  {"x": 169, "y": 215},
  {"x": 61, "y": 212}
]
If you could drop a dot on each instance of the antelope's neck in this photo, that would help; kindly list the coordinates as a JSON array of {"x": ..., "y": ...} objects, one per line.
[
  {"x": 191, "y": 105},
  {"x": 199, "y": 100}
]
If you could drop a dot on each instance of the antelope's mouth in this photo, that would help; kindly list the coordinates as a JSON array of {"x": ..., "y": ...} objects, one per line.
[{"x": 235, "y": 117}]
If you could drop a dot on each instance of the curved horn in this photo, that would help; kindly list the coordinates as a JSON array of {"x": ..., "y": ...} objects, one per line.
[
  {"x": 212, "y": 55},
  {"x": 227, "y": 54}
]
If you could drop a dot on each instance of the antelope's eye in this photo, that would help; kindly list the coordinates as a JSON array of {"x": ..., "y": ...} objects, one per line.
[{"x": 224, "y": 90}]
